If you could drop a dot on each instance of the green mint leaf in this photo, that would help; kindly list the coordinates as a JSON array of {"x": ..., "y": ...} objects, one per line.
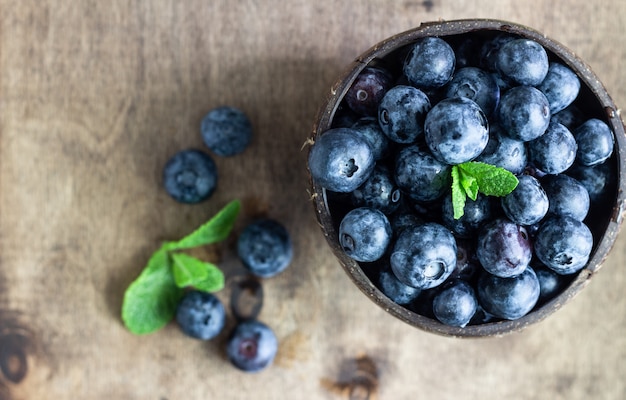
[
  {"x": 492, "y": 180},
  {"x": 189, "y": 271},
  {"x": 469, "y": 184},
  {"x": 150, "y": 301},
  {"x": 458, "y": 194},
  {"x": 215, "y": 230}
]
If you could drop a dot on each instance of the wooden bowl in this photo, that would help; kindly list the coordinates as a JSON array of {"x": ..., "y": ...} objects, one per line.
[{"x": 604, "y": 221}]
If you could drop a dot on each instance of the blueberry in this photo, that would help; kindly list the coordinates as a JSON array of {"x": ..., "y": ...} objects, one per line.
[
  {"x": 524, "y": 113},
  {"x": 504, "y": 248},
  {"x": 523, "y": 61},
  {"x": 226, "y": 131},
  {"x": 190, "y": 176},
  {"x": 364, "y": 234},
  {"x": 200, "y": 315},
  {"x": 554, "y": 151},
  {"x": 340, "y": 160},
  {"x": 379, "y": 191},
  {"x": 528, "y": 203},
  {"x": 595, "y": 142},
  {"x": 264, "y": 247},
  {"x": 397, "y": 291},
  {"x": 367, "y": 91},
  {"x": 561, "y": 86},
  {"x": 477, "y": 85},
  {"x": 503, "y": 151},
  {"x": 252, "y": 346},
  {"x": 455, "y": 304},
  {"x": 420, "y": 175},
  {"x": 424, "y": 256},
  {"x": 430, "y": 63},
  {"x": 401, "y": 113},
  {"x": 596, "y": 179},
  {"x": 476, "y": 213},
  {"x": 571, "y": 117},
  {"x": 402, "y": 219},
  {"x": 488, "y": 51},
  {"x": 508, "y": 298},
  {"x": 369, "y": 129},
  {"x": 550, "y": 283},
  {"x": 456, "y": 130},
  {"x": 563, "y": 244},
  {"x": 566, "y": 196}
]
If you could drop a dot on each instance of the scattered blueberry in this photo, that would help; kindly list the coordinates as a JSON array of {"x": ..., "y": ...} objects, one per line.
[
  {"x": 508, "y": 298},
  {"x": 528, "y": 203},
  {"x": 455, "y": 304},
  {"x": 456, "y": 130},
  {"x": 341, "y": 160},
  {"x": 264, "y": 247},
  {"x": 424, "y": 256},
  {"x": 554, "y": 151},
  {"x": 252, "y": 346},
  {"x": 190, "y": 176},
  {"x": 200, "y": 315},
  {"x": 226, "y": 131},
  {"x": 523, "y": 61},
  {"x": 504, "y": 248},
  {"x": 430, "y": 63},
  {"x": 364, "y": 234},
  {"x": 561, "y": 87},
  {"x": 401, "y": 113},
  {"x": 524, "y": 113},
  {"x": 563, "y": 244},
  {"x": 595, "y": 142},
  {"x": 367, "y": 91}
]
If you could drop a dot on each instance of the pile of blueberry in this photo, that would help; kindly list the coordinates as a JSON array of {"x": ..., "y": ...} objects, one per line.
[
  {"x": 264, "y": 246},
  {"x": 489, "y": 97}
]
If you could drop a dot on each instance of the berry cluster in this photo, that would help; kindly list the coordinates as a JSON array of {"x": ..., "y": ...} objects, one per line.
[{"x": 406, "y": 124}]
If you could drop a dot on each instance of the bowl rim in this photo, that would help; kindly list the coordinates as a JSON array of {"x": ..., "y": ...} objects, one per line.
[{"x": 448, "y": 28}]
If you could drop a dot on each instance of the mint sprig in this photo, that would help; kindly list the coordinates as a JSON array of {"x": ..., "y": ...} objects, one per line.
[
  {"x": 150, "y": 301},
  {"x": 472, "y": 177}
]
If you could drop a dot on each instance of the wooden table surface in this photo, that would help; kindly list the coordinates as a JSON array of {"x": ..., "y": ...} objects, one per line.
[{"x": 95, "y": 96}]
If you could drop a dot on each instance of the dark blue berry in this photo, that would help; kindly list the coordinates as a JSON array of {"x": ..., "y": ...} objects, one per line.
[
  {"x": 504, "y": 248},
  {"x": 550, "y": 283},
  {"x": 369, "y": 129},
  {"x": 467, "y": 264},
  {"x": 566, "y": 196},
  {"x": 522, "y": 61},
  {"x": 420, "y": 175},
  {"x": 200, "y": 315},
  {"x": 561, "y": 86},
  {"x": 252, "y": 346},
  {"x": 424, "y": 256},
  {"x": 563, "y": 244},
  {"x": 503, "y": 151},
  {"x": 595, "y": 142},
  {"x": 379, "y": 191},
  {"x": 455, "y": 304},
  {"x": 528, "y": 203},
  {"x": 554, "y": 151},
  {"x": 264, "y": 247},
  {"x": 596, "y": 179},
  {"x": 401, "y": 113},
  {"x": 488, "y": 51},
  {"x": 456, "y": 130},
  {"x": 226, "y": 131},
  {"x": 340, "y": 160},
  {"x": 397, "y": 291},
  {"x": 367, "y": 91},
  {"x": 477, "y": 85},
  {"x": 190, "y": 176},
  {"x": 475, "y": 215},
  {"x": 364, "y": 234},
  {"x": 524, "y": 113},
  {"x": 508, "y": 298},
  {"x": 430, "y": 63},
  {"x": 571, "y": 117}
]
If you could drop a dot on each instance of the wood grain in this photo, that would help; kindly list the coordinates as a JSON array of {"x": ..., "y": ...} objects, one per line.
[{"x": 96, "y": 96}]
